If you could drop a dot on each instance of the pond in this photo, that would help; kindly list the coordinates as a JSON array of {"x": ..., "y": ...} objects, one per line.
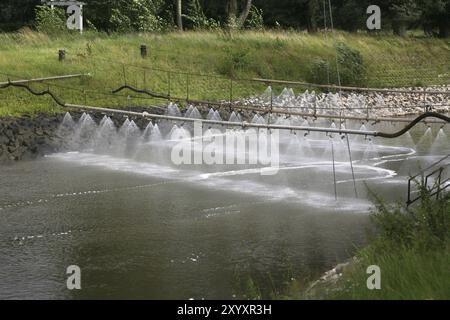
[{"x": 142, "y": 227}]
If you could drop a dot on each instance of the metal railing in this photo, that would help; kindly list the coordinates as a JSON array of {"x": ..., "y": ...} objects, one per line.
[{"x": 439, "y": 185}]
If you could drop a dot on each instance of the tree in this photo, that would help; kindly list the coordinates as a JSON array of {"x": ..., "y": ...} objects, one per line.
[
  {"x": 403, "y": 13},
  {"x": 351, "y": 14},
  {"x": 232, "y": 9},
  {"x": 313, "y": 11},
  {"x": 179, "y": 15},
  {"x": 15, "y": 14},
  {"x": 436, "y": 15},
  {"x": 137, "y": 15}
]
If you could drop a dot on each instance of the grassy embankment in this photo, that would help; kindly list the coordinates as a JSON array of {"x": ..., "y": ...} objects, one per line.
[{"x": 390, "y": 61}]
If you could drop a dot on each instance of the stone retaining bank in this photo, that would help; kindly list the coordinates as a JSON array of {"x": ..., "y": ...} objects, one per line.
[{"x": 28, "y": 137}]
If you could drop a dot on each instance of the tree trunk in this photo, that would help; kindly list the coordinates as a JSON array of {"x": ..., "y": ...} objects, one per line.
[
  {"x": 179, "y": 15},
  {"x": 244, "y": 15},
  {"x": 444, "y": 30},
  {"x": 313, "y": 7},
  {"x": 399, "y": 27},
  {"x": 232, "y": 8}
]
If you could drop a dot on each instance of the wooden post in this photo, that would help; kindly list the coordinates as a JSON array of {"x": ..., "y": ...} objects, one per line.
[
  {"x": 62, "y": 54},
  {"x": 143, "y": 51}
]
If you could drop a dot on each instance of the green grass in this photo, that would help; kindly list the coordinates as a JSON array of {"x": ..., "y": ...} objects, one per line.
[
  {"x": 405, "y": 274},
  {"x": 114, "y": 59},
  {"x": 412, "y": 249}
]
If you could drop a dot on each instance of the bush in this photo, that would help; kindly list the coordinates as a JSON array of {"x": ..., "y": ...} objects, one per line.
[
  {"x": 50, "y": 20},
  {"x": 320, "y": 72},
  {"x": 423, "y": 227},
  {"x": 139, "y": 15},
  {"x": 236, "y": 60},
  {"x": 412, "y": 249},
  {"x": 351, "y": 65},
  {"x": 198, "y": 18},
  {"x": 255, "y": 20},
  {"x": 352, "y": 70}
]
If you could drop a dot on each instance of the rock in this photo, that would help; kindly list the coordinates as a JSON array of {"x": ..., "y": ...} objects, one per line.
[
  {"x": 39, "y": 132},
  {"x": 4, "y": 140},
  {"x": 26, "y": 137}
]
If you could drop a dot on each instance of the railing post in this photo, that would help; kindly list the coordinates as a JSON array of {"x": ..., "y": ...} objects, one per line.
[
  {"x": 187, "y": 87},
  {"x": 231, "y": 92},
  {"x": 439, "y": 183},
  {"x": 367, "y": 111},
  {"x": 169, "y": 82},
  {"x": 334, "y": 169}
]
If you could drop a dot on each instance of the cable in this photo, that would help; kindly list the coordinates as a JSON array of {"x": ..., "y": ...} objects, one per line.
[
  {"x": 257, "y": 108},
  {"x": 36, "y": 93},
  {"x": 144, "y": 91},
  {"x": 242, "y": 124},
  {"x": 351, "y": 165},
  {"x": 412, "y": 124}
]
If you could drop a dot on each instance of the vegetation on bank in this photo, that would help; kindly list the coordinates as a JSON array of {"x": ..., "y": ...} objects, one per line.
[
  {"x": 412, "y": 249},
  {"x": 213, "y": 58}
]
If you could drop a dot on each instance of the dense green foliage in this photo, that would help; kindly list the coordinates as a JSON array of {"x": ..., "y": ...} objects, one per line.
[
  {"x": 350, "y": 62},
  {"x": 50, "y": 21},
  {"x": 411, "y": 246},
  {"x": 412, "y": 249},
  {"x": 432, "y": 16}
]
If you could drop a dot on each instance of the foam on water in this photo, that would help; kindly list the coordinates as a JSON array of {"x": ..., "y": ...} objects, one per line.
[
  {"x": 305, "y": 155},
  {"x": 217, "y": 182}
]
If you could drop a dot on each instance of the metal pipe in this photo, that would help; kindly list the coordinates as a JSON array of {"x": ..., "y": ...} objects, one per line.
[
  {"x": 64, "y": 77},
  {"x": 351, "y": 165},
  {"x": 243, "y": 124},
  {"x": 349, "y": 88},
  {"x": 334, "y": 170},
  {"x": 265, "y": 109}
]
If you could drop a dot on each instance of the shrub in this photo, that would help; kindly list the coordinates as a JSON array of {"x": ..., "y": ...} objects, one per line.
[
  {"x": 235, "y": 60},
  {"x": 351, "y": 65},
  {"x": 320, "y": 72},
  {"x": 425, "y": 226},
  {"x": 198, "y": 18},
  {"x": 352, "y": 70},
  {"x": 120, "y": 22},
  {"x": 50, "y": 20},
  {"x": 255, "y": 20},
  {"x": 138, "y": 15}
]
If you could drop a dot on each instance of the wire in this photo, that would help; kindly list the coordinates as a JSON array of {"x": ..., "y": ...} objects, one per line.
[
  {"x": 243, "y": 124},
  {"x": 258, "y": 108},
  {"x": 351, "y": 165}
]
